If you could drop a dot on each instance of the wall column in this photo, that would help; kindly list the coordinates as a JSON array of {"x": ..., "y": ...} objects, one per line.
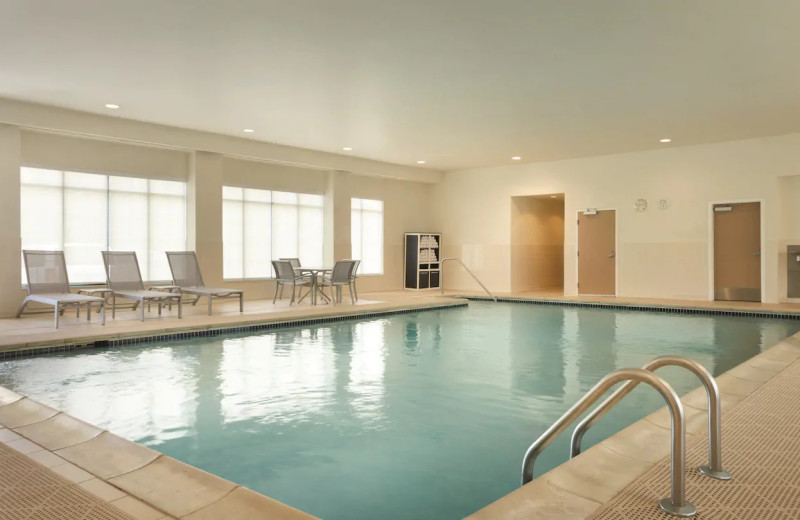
[
  {"x": 10, "y": 241},
  {"x": 204, "y": 213}
]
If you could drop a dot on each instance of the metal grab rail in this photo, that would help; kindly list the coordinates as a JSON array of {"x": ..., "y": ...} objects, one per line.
[
  {"x": 470, "y": 273},
  {"x": 714, "y": 467},
  {"x": 676, "y": 504}
]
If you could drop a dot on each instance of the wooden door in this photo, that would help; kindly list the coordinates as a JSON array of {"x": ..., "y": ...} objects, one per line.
[
  {"x": 737, "y": 252},
  {"x": 597, "y": 262}
]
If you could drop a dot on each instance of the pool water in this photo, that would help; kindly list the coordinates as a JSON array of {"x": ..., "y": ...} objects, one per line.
[{"x": 424, "y": 415}]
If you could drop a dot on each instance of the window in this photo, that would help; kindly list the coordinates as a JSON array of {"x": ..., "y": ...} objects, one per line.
[
  {"x": 85, "y": 213},
  {"x": 259, "y": 226},
  {"x": 366, "y": 234}
]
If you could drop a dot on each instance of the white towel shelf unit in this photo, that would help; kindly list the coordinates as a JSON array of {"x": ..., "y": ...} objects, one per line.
[{"x": 423, "y": 266}]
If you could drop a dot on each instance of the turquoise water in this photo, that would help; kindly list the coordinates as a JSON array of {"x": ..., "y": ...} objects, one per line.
[{"x": 422, "y": 416}]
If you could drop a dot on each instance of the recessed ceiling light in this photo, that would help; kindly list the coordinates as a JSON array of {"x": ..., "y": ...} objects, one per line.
[
  {"x": 248, "y": 130},
  {"x": 112, "y": 106},
  {"x": 516, "y": 158},
  {"x": 346, "y": 148},
  {"x": 665, "y": 140},
  {"x": 420, "y": 162}
]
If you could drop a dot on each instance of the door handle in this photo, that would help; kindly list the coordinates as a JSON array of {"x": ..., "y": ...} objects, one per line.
[{"x": 612, "y": 255}]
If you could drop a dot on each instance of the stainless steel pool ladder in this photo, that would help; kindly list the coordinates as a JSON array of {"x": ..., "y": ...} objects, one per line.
[
  {"x": 676, "y": 504},
  {"x": 468, "y": 271},
  {"x": 714, "y": 467}
]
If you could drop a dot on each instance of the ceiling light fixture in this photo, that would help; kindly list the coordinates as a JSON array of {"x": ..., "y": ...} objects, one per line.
[
  {"x": 112, "y": 106},
  {"x": 347, "y": 148},
  {"x": 553, "y": 196},
  {"x": 516, "y": 158},
  {"x": 248, "y": 130},
  {"x": 665, "y": 140},
  {"x": 420, "y": 162}
]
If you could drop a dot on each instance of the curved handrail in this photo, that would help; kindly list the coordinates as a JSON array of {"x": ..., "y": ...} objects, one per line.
[
  {"x": 714, "y": 467},
  {"x": 470, "y": 273},
  {"x": 676, "y": 504}
]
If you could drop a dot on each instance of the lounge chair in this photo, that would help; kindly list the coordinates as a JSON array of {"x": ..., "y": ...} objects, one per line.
[
  {"x": 294, "y": 261},
  {"x": 48, "y": 283},
  {"x": 339, "y": 277},
  {"x": 286, "y": 275},
  {"x": 125, "y": 280},
  {"x": 186, "y": 275}
]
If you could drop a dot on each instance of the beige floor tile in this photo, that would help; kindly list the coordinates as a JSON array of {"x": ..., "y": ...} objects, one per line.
[
  {"x": 59, "y": 432},
  {"x": 23, "y": 446},
  {"x": 46, "y": 458},
  {"x": 137, "y": 508},
  {"x": 598, "y": 474},
  {"x": 108, "y": 455},
  {"x": 7, "y": 435},
  {"x": 537, "y": 500},
  {"x": 7, "y": 396},
  {"x": 72, "y": 473},
  {"x": 24, "y": 412},
  {"x": 695, "y": 420},
  {"x": 244, "y": 504},
  {"x": 734, "y": 386},
  {"x": 102, "y": 489},
  {"x": 751, "y": 373},
  {"x": 174, "y": 487}
]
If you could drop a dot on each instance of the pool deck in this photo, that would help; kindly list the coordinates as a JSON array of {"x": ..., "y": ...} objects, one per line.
[{"x": 614, "y": 479}]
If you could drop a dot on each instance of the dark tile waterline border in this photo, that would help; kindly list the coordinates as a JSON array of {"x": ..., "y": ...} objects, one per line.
[
  {"x": 647, "y": 308},
  {"x": 258, "y": 327}
]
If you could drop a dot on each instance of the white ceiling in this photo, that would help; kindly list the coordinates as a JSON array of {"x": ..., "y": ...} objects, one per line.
[{"x": 458, "y": 83}]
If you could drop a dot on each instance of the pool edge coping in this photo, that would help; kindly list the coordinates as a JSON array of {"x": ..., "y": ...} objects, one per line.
[{"x": 21, "y": 350}]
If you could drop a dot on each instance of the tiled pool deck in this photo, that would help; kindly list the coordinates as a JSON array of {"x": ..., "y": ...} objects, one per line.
[{"x": 614, "y": 479}]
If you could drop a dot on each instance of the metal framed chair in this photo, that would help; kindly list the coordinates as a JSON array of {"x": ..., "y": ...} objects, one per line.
[
  {"x": 124, "y": 278},
  {"x": 353, "y": 277},
  {"x": 187, "y": 277},
  {"x": 339, "y": 277},
  {"x": 285, "y": 275},
  {"x": 48, "y": 283}
]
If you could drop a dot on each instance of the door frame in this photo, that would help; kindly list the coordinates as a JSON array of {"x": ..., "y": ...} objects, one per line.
[
  {"x": 762, "y": 238},
  {"x": 616, "y": 251}
]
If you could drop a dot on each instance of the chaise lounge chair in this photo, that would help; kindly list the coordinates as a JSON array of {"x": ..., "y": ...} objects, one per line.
[
  {"x": 186, "y": 275},
  {"x": 125, "y": 280},
  {"x": 48, "y": 283}
]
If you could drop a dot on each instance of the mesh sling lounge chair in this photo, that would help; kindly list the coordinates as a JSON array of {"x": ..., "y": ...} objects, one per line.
[
  {"x": 48, "y": 283},
  {"x": 125, "y": 279},
  {"x": 186, "y": 275},
  {"x": 339, "y": 277},
  {"x": 285, "y": 275}
]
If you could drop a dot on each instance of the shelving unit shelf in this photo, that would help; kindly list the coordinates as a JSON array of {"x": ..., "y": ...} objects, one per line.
[{"x": 423, "y": 266}]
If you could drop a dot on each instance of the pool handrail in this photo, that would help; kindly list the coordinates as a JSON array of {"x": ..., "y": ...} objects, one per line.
[
  {"x": 676, "y": 504},
  {"x": 468, "y": 271},
  {"x": 714, "y": 468}
]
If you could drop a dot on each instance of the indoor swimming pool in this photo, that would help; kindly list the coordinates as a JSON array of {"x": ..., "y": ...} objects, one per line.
[{"x": 423, "y": 415}]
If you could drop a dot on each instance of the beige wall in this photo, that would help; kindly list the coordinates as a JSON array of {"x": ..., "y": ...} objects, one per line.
[
  {"x": 407, "y": 203},
  {"x": 661, "y": 253},
  {"x": 537, "y": 243}
]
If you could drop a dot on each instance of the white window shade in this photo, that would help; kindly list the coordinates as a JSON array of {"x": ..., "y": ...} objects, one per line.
[
  {"x": 83, "y": 214},
  {"x": 261, "y": 225},
  {"x": 366, "y": 234}
]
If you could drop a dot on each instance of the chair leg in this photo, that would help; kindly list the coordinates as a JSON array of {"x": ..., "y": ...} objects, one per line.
[
  {"x": 281, "y": 294},
  {"x": 353, "y": 288},
  {"x": 22, "y": 307},
  {"x": 113, "y": 305},
  {"x": 56, "y": 312},
  {"x": 209, "y": 304},
  {"x": 292, "y": 300},
  {"x": 142, "y": 309},
  {"x": 241, "y": 302},
  {"x": 180, "y": 308},
  {"x": 88, "y": 311},
  {"x": 277, "y": 285},
  {"x": 103, "y": 313},
  {"x": 352, "y": 298}
]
